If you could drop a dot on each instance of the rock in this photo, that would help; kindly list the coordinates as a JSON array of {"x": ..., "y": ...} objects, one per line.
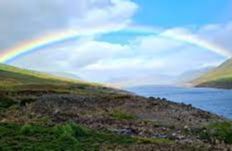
[
  {"x": 174, "y": 134},
  {"x": 186, "y": 127},
  {"x": 125, "y": 131},
  {"x": 160, "y": 136}
]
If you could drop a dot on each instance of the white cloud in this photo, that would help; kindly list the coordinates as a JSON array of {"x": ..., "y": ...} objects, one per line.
[
  {"x": 216, "y": 38},
  {"x": 101, "y": 61},
  {"x": 24, "y": 20},
  {"x": 126, "y": 64},
  {"x": 154, "y": 44}
]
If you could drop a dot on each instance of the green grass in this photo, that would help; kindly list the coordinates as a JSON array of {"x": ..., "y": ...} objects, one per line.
[
  {"x": 67, "y": 136},
  {"x": 220, "y": 131},
  {"x": 119, "y": 115}
]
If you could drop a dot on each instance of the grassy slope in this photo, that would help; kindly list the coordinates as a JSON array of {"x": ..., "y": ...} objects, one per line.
[
  {"x": 17, "y": 79},
  {"x": 13, "y": 76},
  {"x": 220, "y": 77}
]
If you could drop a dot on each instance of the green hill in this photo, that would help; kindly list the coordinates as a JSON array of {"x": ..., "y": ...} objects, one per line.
[
  {"x": 14, "y": 76},
  {"x": 220, "y": 77},
  {"x": 14, "y": 80}
]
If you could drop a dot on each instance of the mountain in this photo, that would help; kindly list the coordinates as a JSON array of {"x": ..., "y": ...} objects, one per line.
[
  {"x": 220, "y": 77},
  {"x": 185, "y": 77},
  {"x": 39, "y": 111},
  {"x": 156, "y": 79}
]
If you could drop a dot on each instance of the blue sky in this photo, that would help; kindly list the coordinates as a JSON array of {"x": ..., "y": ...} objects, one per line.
[
  {"x": 171, "y": 13},
  {"x": 121, "y": 42}
]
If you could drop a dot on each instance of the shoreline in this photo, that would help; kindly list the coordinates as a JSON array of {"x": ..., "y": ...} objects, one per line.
[{"x": 119, "y": 113}]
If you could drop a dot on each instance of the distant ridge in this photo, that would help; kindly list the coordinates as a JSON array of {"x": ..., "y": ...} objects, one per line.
[{"x": 220, "y": 77}]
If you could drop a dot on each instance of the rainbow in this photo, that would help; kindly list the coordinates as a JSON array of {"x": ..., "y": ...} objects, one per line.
[
  {"x": 36, "y": 44},
  {"x": 52, "y": 39},
  {"x": 198, "y": 41}
]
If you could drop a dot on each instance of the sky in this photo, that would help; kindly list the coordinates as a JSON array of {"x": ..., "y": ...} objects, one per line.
[{"x": 122, "y": 42}]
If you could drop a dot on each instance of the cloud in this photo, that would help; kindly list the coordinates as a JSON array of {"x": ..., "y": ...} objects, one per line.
[
  {"x": 125, "y": 64},
  {"x": 144, "y": 56},
  {"x": 24, "y": 20},
  {"x": 215, "y": 38},
  {"x": 72, "y": 55},
  {"x": 155, "y": 44},
  {"x": 219, "y": 34}
]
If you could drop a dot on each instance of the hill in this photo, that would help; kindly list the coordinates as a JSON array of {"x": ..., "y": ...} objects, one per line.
[
  {"x": 16, "y": 76},
  {"x": 16, "y": 79},
  {"x": 43, "y": 112},
  {"x": 220, "y": 77}
]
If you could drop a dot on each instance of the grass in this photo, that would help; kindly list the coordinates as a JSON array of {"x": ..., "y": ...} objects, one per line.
[
  {"x": 120, "y": 115},
  {"x": 220, "y": 131},
  {"x": 68, "y": 136}
]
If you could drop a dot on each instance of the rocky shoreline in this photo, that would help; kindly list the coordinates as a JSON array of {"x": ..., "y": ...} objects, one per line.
[{"x": 119, "y": 113}]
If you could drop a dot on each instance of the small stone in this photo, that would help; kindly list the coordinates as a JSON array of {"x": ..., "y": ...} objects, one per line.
[{"x": 173, "y": 134}]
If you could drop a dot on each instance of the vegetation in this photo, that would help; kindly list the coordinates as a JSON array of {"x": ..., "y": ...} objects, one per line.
[
  {"x": 119, "y": 115},
  {"x": 6, "y": 102},
  {"x": 219, "y": 131},
  {"x": 220, "y": 77},
  {"x": 68, "y": 136},
  {"x": 29, "y": 76}
]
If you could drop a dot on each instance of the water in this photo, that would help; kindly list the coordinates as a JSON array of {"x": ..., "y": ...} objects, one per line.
[{"x": 214, "y": 100}]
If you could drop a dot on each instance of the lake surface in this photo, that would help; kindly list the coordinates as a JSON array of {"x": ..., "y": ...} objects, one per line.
[{"x": 214, "y": 100}]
